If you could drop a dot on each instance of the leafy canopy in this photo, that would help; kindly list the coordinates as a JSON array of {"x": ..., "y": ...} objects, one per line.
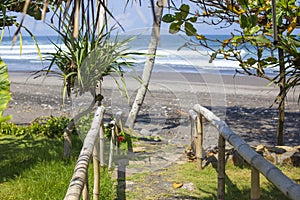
[{"x": 255, "y": 35}]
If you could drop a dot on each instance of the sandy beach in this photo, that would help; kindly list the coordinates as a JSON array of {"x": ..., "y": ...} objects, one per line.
[{"x": 243, "y": 102}]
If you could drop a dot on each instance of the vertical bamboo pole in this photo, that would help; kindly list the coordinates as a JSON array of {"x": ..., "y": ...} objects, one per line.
[
  {"x": 192, "y": 129},
  {"x": 96, "y": 190},
  {"x": 255, "y": 190},
  {"x": 85, "y": 191},
  {"x": 112, "y": 144},
  {"x": 101, "y": 136},
  {"x": 199, "y": 147},
  {"x": 221, "y": 168}
]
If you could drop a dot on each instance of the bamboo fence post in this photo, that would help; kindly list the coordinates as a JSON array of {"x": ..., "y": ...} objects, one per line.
[
  {"x": 112, "y": 144},
  {"x": 96, "y": 190},
  {"x": 119, "y": 123},
  {"x": 85, "y": 191},
  {"x": 79, "y": 178},
  {"x": 200, "y": 142},
  {"x": 102, "y": 146},
  {"x": 193, "y": 118},
  {"x": 192, "y": 129},
  {"x": 255, "y": 189},
  {"x": 221, "y": 168}
]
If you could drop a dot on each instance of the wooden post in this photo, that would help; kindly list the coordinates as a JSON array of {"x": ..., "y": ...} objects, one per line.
[
  {"x": 199, "y": 147},
  {"x": 102, "y": 146},
  {"x": 96, "y": 190},
  {"x": 221, "y": 168},
  {"x": 112, "y": 144},
  {"x": 85, "y": 191},
  {"x": 255, "y": 190}
]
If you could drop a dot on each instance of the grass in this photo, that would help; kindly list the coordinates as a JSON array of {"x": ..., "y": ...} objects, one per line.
[
  {"x": 33, "y": 168},
  {"x": 205, "y": 183}
]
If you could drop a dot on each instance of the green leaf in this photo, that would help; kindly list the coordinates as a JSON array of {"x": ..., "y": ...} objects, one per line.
[
  {"x": 5, "y": 95},
  {"x": 185, "y": 9},
  {"x": 236, "y": 40},
  {"x": 262, "y": 39},
  {"x": 193, "y": 19},
  {"x": 254, "y": 30},
  {"x": 168, "y": 18},
  {"x": 178, "y": 16},
  {"x": 253, "y": 20},
  {"x": 243, "y": 21},
  {"x": 251, "y": 61},
  {"x": 244, "y": 4},
  {"x": 189, "y": 29},
  {"x": 271, "y": 59},
  {"x": 175, "y": 27}
]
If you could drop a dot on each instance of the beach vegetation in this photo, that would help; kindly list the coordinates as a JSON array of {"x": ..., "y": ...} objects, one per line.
[
  {"x": 83, "y": 61},
  {"x": 51, "y": 127},
  {"x": 262, "y": 47},
  {"x": 5, "y": 95}
]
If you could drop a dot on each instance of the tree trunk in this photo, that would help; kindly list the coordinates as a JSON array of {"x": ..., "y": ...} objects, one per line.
[
  {"x": 148, "y": 66},
  {"x": 282, "y": 81},
  {"x": 282, "y": 96}
]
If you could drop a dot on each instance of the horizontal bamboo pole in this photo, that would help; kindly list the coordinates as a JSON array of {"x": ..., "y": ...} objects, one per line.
[
  {"x": 270, "y": 171},
  {"x": 81, "y": 168}
]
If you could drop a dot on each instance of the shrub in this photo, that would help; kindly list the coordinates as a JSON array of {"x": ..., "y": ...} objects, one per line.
[{"x": 51, "y": 127}]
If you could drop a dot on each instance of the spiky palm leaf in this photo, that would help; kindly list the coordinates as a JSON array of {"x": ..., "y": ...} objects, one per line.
[{"x": 85, "y": 60}]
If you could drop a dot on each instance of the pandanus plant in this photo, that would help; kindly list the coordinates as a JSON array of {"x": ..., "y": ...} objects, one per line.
[{"x": 84, "y": 61}]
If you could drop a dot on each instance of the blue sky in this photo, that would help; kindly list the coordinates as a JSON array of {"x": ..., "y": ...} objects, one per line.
[{"x": 135, "y": 19}]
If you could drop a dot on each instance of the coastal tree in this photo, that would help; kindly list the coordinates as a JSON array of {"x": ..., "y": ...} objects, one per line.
[
  {"x": 148, "y": 67},
  {"x": 255, "y": 36},
  {"x": 84, "y": 61}
]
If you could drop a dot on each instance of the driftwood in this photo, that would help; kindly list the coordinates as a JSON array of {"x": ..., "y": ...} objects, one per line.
[
  {"x": 80, "y": 172},
  {"x": 270, "y": 171}
]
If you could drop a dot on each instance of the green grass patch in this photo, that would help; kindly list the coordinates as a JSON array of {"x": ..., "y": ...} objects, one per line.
[
  {"x": 159, "y": 183},
  {"x": 32, "y": 167}
]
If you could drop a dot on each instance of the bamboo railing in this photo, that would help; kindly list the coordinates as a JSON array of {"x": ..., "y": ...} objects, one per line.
[
  {"x": 258, "y": 163},
  {"x": 79, "y": 183}
]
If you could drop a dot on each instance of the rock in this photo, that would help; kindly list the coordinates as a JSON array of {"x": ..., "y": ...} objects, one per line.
[
  {"x": 286, "y": 148},
  {"x": 188, "y": 186},
  {"x": 145, "y": 132},
  {"x": 295, "y": 159},
  {"x": 260, "y": 149},
  {"x": 276, "y": 149},
  {"x": 138, "y": 149},
  {"x": 237, "y": 159}
]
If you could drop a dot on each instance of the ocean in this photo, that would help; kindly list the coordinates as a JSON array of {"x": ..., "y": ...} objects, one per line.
[{"x": 169, "y": 58}]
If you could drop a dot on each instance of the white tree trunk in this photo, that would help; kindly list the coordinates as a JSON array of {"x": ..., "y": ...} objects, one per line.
[{"x": 147, "y": 67}]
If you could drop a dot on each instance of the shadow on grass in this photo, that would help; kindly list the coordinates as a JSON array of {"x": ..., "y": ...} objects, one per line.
[
  {"x": 269, "y": 192},
  {"x": 21, "y": 153}
]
